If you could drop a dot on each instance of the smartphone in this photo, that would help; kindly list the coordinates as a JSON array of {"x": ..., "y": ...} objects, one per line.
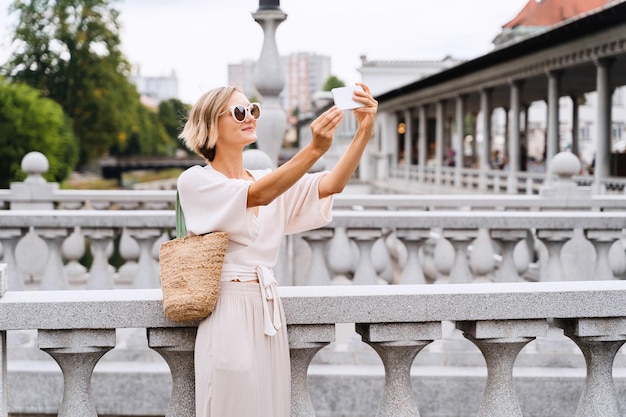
[{"x": 343, "y": 97}]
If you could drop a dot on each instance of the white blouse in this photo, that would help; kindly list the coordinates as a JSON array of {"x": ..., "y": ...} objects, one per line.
[{"x": 212, "y": 202}]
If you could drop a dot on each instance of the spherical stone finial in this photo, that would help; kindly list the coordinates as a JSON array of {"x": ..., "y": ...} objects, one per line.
[
  {"x": 565, "y": 165},
  {"x": 35, "y": 164}
]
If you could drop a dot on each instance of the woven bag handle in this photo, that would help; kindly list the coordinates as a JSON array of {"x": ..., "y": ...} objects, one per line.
[{"x": 181, "y": 227}]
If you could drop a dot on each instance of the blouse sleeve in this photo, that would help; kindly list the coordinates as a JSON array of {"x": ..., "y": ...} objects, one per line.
[
  {"x": 214, "y": 203},
  {"x": 304, "y": 209}
]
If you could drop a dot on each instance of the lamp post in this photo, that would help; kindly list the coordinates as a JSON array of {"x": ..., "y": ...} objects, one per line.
[{"x": 270, "y": 80}]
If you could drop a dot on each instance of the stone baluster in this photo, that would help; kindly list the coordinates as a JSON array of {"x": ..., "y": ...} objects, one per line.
[
  {"x": 413, "y": 240},
  {"x": 129, "y": 250},
  {"x": 500, "y": 342},
  {"x": 73, "y": 249},
  {"x": 100, "y": 277},
  {"x": 481, "y": 259},
  {"x": 129, "y": 205},
  {"x": 496, "y": 183},
  {"x": 507, "y": 239},
  {"x": 381, "y": 257},
  {"x": 554, "y": 241},
  {"x": 460, "y": 239},
  {"x": 340, "y": 255},
  {"x": 318, "y": 271},
  {"x": 54, "y": 277},
  {"x": 100, "y": 205},
  {"x": 530, "y": 185},
  {"x": 147, "y": 274},
  {"x": 365, "y": 273},
  {"x": 77, "y": 352},
  {"x": 9, "y": 239},
  {"x": 599, "y": 339},
  {"x": 70, "y": 205},
  {"x": 305, "y": 340},
  {"x": 602, "y": 241},
  {"x": 176, "y": 346},
  {"x": 398, "y": 344}
]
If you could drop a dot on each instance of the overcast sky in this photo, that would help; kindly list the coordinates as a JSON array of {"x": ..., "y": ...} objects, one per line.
[{"x": 198, "y": 38}]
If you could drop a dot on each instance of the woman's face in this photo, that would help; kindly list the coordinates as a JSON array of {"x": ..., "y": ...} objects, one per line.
[{"x": 232, "y": 131}]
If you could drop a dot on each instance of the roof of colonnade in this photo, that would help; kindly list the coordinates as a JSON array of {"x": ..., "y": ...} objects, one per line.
[{"x": 573, "y": 47}]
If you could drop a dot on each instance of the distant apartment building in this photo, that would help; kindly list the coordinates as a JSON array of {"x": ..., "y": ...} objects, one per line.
[
  {"x": 305, "y": 74},
  {"x": 153, "y": 89}
]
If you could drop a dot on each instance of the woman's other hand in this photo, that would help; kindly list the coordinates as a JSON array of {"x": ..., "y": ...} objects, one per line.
[{"x": 323, "y": 129}]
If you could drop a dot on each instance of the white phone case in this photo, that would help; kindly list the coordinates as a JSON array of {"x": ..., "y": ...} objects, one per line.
[{"x": 343, "y": 97}]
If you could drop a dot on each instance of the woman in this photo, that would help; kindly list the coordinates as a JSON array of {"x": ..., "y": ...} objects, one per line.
[{"x": 241, "y": 352}]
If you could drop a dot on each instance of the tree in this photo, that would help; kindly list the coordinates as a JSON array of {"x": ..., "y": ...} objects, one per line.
[
  {"x": 31, "y": 122},
  {"x": 70, "y": 49},
  {"x": 333, "y": 82},
  {"x": 173, "y": 114}
]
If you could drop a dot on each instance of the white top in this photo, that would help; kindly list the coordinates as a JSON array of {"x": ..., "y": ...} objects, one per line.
[{"x": 212, "y": 202}]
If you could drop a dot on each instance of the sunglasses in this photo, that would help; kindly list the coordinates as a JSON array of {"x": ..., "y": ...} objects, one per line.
[{"x": 239, "y": 112}]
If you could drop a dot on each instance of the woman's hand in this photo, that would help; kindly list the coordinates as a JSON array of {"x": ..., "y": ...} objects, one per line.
[
  {"x": 365, "y": 116},
  {"x": 323, "y": 129}
]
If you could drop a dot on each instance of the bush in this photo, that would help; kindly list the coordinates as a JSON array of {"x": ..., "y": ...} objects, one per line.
[{"x": 31, "y": 122}]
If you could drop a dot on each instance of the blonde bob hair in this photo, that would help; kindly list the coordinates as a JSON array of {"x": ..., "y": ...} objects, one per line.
[{"x": 200, "y": 132}]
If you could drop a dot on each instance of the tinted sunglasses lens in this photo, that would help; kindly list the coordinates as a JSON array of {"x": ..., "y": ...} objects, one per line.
[
  {"x": 255, "y": 111},
  {"x": 239, "y": 113}
]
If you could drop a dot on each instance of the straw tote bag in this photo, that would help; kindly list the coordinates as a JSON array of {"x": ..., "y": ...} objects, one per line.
[{"x": 191, "y": 270}]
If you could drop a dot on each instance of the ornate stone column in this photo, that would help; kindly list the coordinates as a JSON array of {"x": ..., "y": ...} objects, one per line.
[{"x": 270, "y": 80}]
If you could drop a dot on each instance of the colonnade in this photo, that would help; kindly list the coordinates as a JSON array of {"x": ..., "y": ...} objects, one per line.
[{"x": 421, "y": 122}]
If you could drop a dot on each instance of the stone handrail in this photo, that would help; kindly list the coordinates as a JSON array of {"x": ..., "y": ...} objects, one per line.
[
  {"x": 78, "y": 327},
  {"x": 164, "y": 199}
]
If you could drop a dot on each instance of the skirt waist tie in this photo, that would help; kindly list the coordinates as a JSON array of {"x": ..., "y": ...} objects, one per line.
[{"x": 267, "y": 282}]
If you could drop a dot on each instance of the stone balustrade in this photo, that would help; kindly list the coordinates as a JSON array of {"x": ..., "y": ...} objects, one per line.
[
  {"x": 45, "y": 247},
  {"x": 77, "y": 328},
  {"x": 464, "y": 180}
]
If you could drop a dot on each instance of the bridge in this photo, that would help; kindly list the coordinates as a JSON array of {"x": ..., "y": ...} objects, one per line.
[{"x": 115, "y": 167}]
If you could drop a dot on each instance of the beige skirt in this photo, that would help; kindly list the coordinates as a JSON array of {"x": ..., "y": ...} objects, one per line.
[{"x": 240, "y": 371}]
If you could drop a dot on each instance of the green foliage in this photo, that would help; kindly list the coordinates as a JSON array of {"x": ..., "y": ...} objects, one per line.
[
  {"x": 332, "y": 82},
  {"x": 31, "y": 122},
  {"x": 70, "y": 49},
  {"x": 173, "y": 114}
]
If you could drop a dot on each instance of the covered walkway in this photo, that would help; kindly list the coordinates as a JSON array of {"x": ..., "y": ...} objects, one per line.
[{"x": 421, "y": 123}]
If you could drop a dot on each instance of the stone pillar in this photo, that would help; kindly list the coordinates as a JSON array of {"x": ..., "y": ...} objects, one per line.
[
  {"x": 176, "y": 346},
  {"x": 500, "y": 342},
  {"x": 459, "y": 139},
  {"x": 4, "y": 384},
  {"x": 398, "y": 344},
  {"x": 554, "y": 93},
  {"x": 305, "y": 340},
  {"x": 514, "y": 136},
  {"x": 575, "y": 126},
  {"x": 408, "y": 143},
  {"x": 603, "y": 144},
  {"x": 422, "y": 148},
  {"x": 485, "y": 149},
  {"x": 34, "y": 193},
  {"x": 599, "y": 339},
  {"x": 441, "y": 105},
  {"x": 270, "y": 80},
  {"x": 77, "y": 352}
]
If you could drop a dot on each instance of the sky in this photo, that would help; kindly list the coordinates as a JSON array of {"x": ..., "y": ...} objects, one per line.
[{"x": 199, "y": 38}]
